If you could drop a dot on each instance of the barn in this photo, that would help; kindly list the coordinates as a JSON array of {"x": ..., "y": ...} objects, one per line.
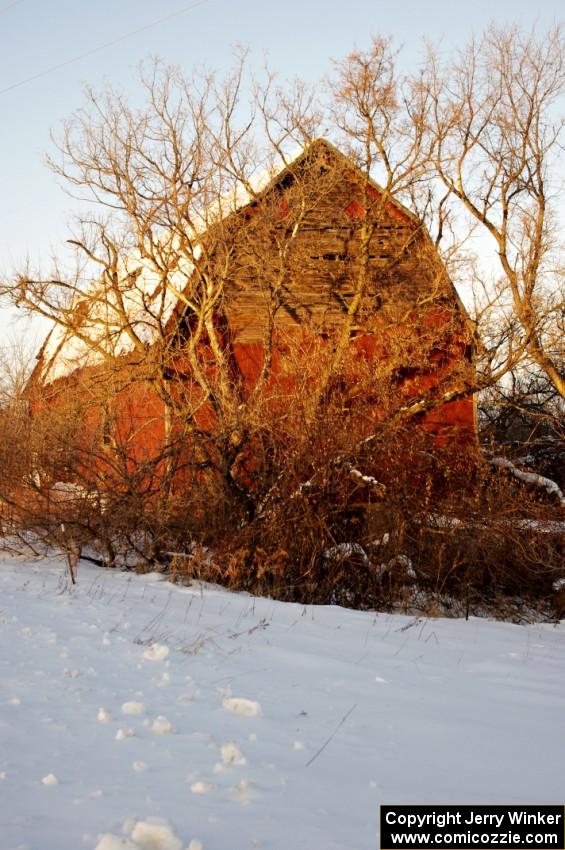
[{"x": 317, "y": 281}]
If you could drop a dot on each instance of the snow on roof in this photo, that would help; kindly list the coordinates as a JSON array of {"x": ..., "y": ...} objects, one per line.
[
  {"x": 101, "y": 331},
  {"x": 109, "y": 323}
]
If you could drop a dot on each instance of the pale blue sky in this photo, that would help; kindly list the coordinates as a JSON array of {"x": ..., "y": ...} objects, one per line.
[{"x": 299, "y": 36}]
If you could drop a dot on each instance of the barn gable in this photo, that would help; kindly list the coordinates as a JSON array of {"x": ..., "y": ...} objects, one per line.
[
  {"x": 316, "y": 235},
  {"x": 320, "y": 250}
]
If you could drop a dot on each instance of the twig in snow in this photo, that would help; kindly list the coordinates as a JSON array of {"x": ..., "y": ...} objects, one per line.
[
  {"x": 72, "y": 550},
  {"x": 332, "y": 736},
  {"x": 258, "y": 627}
]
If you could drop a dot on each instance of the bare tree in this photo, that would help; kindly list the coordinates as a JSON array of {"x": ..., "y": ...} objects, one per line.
[
  {"x": 253, "y": 323},
  {"x": 182, "y": 221},
  {"x": 155, "y": 251},
  {"x": 16, "y": 357},
  {"x": 495, "y": 115}
]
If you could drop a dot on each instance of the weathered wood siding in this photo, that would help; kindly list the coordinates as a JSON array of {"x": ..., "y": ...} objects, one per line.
[
  {"x": 322, "y": 234},
  {"x": 289, "y": 265}
]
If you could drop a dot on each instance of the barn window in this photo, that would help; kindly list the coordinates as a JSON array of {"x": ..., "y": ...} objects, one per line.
[
  {"x": 106, "y": 429},
  {"x": 330, "y": 256},
  {"x": 355, "y": 332}
]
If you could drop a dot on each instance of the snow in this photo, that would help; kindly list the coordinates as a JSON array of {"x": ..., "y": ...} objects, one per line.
[
  {"x": 116, "y": 842},
  {"x": 201, "y": 787},
  {"x": 141, "y": 308},
  {"x": 355, "y": 710},
  {"x": 123, "y": 734},
  {"x": 134, "y": 708},
  {"x": 241, "y": 705},
  {"x": 345, "y": 550},
  {"x": 155, "y": 836},
  {"x": 162, "y": 726},
  {"x": 104, "y": 329},
  {"x": 156, "y": 652},
  {"x": 231, "y": 754},
  {"x": 532, "y": 478}
]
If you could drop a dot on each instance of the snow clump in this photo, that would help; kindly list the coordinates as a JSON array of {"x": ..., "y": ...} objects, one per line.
[
  {"x": 231, "y": 754},
  {"x": 133, "y": 708},
  {"x": 103, "y": 716},
  {"x": 122, "y": 734},
  {"x": 156, "y": 652},
  {"x": 145, "y": 835},
  {"x": 242, "y": 706},
  {"x": 155, "y": 836},
  {"x": 201, "y": 787},
  {"x": 162, "y": 726}
]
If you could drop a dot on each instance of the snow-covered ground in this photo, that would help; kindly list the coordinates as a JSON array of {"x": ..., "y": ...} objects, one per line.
[{"x": 139, "y": 714}]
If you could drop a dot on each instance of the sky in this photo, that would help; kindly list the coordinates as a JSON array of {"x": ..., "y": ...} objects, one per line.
[{"x": 299, "y": 37}]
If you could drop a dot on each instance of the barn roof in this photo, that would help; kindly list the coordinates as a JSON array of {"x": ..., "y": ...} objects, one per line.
[
  {"x": 321, "y": 147},
  {"x": 98, "y": 332}
]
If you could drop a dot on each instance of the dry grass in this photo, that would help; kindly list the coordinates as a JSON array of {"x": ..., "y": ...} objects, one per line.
[{"x": 309, "y": 514}]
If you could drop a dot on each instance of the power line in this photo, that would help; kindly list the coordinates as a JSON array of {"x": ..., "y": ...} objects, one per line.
[
  {"x": 101, "y": 46},
  {"x": 10, "y": 5}
]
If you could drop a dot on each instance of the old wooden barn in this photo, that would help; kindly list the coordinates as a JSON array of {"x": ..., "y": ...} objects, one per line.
[{"x": 317, "y": 282}]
